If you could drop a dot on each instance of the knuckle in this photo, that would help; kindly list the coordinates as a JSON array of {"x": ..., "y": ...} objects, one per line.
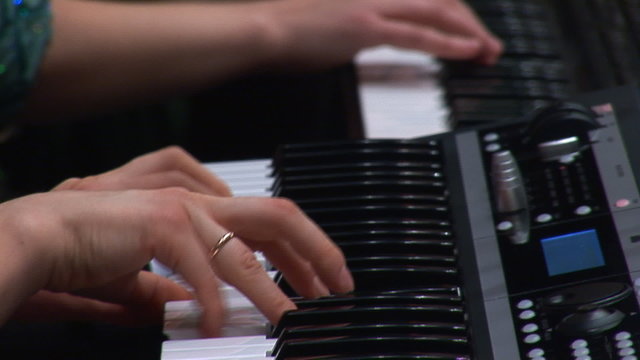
[
  {"x": 283, "y": 206},
  {"x": 249, "y": 264},
  {"x": 68, "y": 184},
  {"x": 86, "y": 183},
  {"x": 172, "y": 210},
  {"x": 174, "y": 152}
]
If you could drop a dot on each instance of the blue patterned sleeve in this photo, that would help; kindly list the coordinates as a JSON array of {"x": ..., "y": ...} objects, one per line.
[{"x": 25, "y": 29}]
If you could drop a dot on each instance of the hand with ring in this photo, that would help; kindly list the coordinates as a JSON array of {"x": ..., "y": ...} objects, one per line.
[{"x": 77, "y": 254}]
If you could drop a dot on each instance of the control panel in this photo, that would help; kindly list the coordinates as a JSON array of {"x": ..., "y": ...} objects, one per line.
[{"x": 558, "y": 271}]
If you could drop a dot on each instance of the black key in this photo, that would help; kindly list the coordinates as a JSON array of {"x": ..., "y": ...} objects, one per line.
[
  {"x": 382, "y": 299},
  {"x": 434, "y": 344},
  {"x": 372, "y": 199},
  {"x": 369, "y": 213},
  {"x": 438, "y": 250},
  {"x": 385, "y": 187},
  {"x": 369, "y": 330},
  {"x": 309, "y": 169},
  {"x": 355, "y": 315}
]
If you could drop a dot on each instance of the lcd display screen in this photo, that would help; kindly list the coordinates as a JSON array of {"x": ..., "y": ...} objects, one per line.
[{"x": 572, "y": 252}]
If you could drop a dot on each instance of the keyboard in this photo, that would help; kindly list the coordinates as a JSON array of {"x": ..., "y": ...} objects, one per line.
[{"x": 511, "y": 241}]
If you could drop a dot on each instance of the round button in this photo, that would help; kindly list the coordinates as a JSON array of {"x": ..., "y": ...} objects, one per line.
[
  {"x": 527, "y": 314},
  {"x": 543, "y": 218},
  {"x": 622, "y": 203},
  {"x": 490, "y": 137},
  {"x": 583, "y": 357},
  {"x": 622, "y": 344},
  {"x": 524, "y": 304},
  {"x": 583, "y": 210},
  {"x": 535, "y": 353},
  {"x": 493, "y": 147},
  {"x": 581, "y": 352},
  {"x": 623, "y": 335},
  {"x": 505, "y": 225},
  {"x": 579, "y": 343},
  {"x": 532, "y": 338},
  {"x": 627, "y": 351},
  {"x": 529, "y": 328}
]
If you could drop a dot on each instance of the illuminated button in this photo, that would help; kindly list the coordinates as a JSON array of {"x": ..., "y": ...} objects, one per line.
[
  {"x": 490, "y": 137},
  {"x": 527, "y": 314},
  {"x": 581, "y": 352},
  {"x": 636, "y": 283},
  {"x": 493, "y": 147},
  {"x": 543, "y": 218},
  {"x": 539, "y": 358},
  {"x": 623, "y": 335},
  {"x": 630, "y": 357},
  {"x": 627, "y": 351},
  {"x": 583, "y": 210},
  {"x": 529, "y": 328},
  {"x": 622, "y": 344},
  {"x": 622, "y": 203},
  {"x": 580, "y": 343},
  {"x": 532, "y": 338},
  {"x": 535, "y": 353},
  {"x": 524, "y": 304},
  {"x": 505, "y": 225},
  {"x": 584, "y": 357}
]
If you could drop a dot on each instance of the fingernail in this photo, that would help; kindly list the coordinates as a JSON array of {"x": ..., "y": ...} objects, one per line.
[
  {"x": 319, "y": 288},
  {"x": 345, "y": 280}
]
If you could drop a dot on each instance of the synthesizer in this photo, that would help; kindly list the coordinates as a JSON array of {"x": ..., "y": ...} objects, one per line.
[{"x": 511, "y": 241}]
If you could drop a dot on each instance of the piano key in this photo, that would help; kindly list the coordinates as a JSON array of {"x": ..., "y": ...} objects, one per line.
[
  {"x": 373, "y": 199},
  {"x": 510, "y": 68},
  {"x": 307, "y": 169},
  {"x": 437, "y": 249},
  {"x": 438, "y": 346},
  {"x": 245, "y": 177},
  {"x": 373, "y": 212},
  {"x": 400, "y": 94},
  {"x": 362, "y": 298},
  {"x": 356, "y": 175},
  {"x": 389, "y": 144},
  {"x": 364, "y": 261},
  {"x": 398, "y": 153},
  {"x": 367, "y": 330},
  {"x": 429, "y": 228},
  {"x": 364, "y": 314},
  {"x": 504, "y": 88},
  {"x": 393, "y": 278},
  {"x": 229, "y": 348}
]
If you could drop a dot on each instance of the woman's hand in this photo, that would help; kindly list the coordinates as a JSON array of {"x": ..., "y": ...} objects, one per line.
[
  {"x": 325, "y": 32},
  {"x": 103, "y": 238},
  {"x": 93, "y": 245},
  {"x": 168, "y": 167}
]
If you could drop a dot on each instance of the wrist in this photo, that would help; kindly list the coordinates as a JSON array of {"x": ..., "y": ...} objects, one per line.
[{"x": 22, "y": 272}]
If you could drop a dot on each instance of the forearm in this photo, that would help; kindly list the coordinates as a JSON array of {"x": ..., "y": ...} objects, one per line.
[{"x": 110, "y": 54}]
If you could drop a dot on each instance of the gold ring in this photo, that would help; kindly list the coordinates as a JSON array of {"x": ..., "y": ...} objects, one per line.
[{"x": 220, "y": 244}]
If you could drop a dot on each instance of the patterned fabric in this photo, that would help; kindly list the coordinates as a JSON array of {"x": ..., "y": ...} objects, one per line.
[{"x": 25, "y": 29}]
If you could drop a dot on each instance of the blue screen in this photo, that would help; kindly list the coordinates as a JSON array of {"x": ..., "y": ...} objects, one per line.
[{"x": 572, "y": 252}]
